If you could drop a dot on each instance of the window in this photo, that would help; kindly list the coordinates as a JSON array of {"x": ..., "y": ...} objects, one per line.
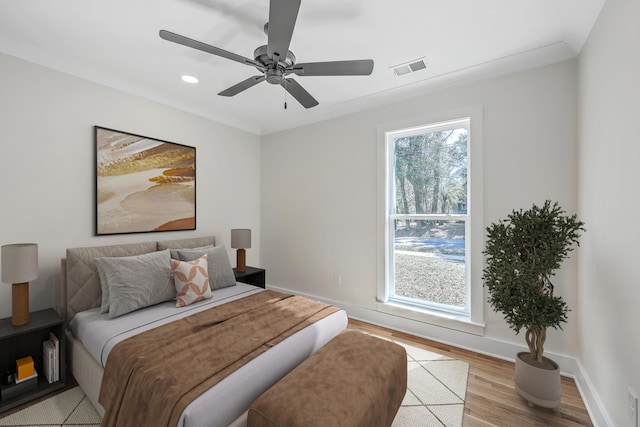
[{"x": 429, "y": 230}]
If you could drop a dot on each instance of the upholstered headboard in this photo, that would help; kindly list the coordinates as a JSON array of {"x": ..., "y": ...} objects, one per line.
[{"x": 80, "y": 283}]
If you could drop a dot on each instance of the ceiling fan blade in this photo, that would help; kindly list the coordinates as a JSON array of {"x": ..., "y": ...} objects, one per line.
[
  {"x": 299, "y": 93},
  {"x": 282, "y": 20},
  {"x": 243, "y": 85},
  {"x": 185, "y": 41},
  {"x": 358, "y": 67}
]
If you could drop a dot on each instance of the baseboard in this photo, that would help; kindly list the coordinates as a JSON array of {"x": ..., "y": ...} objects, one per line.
[
  {"x": 595, "y": 408},
  {"x": 499, "y": 349}
]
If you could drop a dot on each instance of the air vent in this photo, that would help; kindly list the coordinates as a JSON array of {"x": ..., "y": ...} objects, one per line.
[
  {"x": 402, "y": 70},
  {"x": 410, "y": 67},
  {"x": 418, "y": 65}
]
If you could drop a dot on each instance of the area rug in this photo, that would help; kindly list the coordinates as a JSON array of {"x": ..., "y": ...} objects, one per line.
[
  {"x": 70, "y": 408},
  {"x": 435, "y": 397},
  {"x": 436, "y": 389}
]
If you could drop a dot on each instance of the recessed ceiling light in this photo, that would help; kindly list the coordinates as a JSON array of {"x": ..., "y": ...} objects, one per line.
[{"x": 189, "y": 79}]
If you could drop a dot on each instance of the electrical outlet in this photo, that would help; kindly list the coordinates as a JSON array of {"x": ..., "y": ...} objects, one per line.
[
  {"x": 337, "y": 280},
  {"x": 632, "y": 408}
]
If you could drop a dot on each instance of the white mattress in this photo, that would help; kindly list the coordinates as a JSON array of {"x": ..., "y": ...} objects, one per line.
[{"x": 232, "y": 396}]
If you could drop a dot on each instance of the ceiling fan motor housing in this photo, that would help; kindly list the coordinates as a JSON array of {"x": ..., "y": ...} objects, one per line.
[{"x": 274, "y": 72}]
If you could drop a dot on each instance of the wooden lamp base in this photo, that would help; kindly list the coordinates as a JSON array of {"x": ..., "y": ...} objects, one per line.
[
  {"x": 20, "y": 304},
  {"x": 241, "y": 260}
]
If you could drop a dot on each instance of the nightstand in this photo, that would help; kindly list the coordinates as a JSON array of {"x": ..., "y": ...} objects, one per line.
[
  {"x": 26, "y": 340},
  {"x": 253, "y": 276}
]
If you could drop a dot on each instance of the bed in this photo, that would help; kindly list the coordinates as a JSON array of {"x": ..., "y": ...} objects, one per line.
[{"x": 91, "y": 335}]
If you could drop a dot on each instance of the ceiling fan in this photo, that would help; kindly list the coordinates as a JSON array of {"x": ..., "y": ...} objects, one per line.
[{"x": 274, "y": 59}]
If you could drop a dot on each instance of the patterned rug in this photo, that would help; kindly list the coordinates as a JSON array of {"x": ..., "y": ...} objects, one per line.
[
  {"x": 436, "y": 389},
  {"x": 435, "y": 397},
  {"x": 71, "y": 408}
]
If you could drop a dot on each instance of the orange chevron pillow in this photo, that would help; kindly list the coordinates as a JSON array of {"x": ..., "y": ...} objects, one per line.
[{"x": 191, "y": 280}]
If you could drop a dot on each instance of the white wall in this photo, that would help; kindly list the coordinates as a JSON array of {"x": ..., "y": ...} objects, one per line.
[
  {"x": 609, "y": 173},
  {"x": 47, "y": 167},
  {"x": 312, "y": 190},
  {"x": 319, "y": 193}
]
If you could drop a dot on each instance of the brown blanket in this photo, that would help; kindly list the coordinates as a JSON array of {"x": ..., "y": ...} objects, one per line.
[{"x": 150, "y": 378}]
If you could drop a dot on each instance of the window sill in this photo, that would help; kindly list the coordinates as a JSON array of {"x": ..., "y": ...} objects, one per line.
[{"x": 446, "y": 320}]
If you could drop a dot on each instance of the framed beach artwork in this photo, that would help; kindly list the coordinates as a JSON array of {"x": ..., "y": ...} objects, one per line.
[{"x": 143, "y": 184}]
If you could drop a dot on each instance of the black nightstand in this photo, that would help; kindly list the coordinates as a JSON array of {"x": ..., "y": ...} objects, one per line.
[
  {"x": 253, "y": 276},
  {"x": 26, "y": 340}
]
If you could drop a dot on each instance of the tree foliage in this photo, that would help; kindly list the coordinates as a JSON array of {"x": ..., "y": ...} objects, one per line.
[
  {"x": 522, "y": 253},
  {"x": 431, "y": 172}
]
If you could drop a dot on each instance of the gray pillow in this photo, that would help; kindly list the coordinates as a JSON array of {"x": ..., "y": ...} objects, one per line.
[
  {"x": 220, "y": 271},
  {"x": 135, "y": 282},
  {"x": 174, "y": 252}
]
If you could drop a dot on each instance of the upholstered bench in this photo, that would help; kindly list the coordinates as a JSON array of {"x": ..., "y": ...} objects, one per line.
[{"x": 354, "y": 380}]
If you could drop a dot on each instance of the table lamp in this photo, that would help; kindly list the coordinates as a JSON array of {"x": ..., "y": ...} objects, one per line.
[
  {"x": 19, "y": 267},
  {"x": 241, "y": 240}
]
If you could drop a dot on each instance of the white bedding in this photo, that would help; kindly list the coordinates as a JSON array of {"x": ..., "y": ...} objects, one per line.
[
  {"x": 99, "y": 334},
  {"x": 232, "y": 396}
]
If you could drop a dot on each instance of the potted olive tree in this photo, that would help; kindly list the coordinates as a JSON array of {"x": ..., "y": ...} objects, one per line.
[{"x": 522, "y": 253}]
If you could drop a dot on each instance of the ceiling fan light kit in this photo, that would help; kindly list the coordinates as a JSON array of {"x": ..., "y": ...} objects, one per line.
[{"x": 274, "y": 60}]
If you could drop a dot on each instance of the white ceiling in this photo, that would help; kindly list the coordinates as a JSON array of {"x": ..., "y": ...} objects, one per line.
[{"x": 116, "y": 43}]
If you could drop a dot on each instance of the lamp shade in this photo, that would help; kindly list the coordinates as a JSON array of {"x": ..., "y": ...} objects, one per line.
[
  {"x": 240, "y": 238},
  {"x": 19, "y": 262}
]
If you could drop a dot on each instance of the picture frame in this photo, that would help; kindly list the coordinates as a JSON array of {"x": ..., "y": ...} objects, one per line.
[{"x": 143, "y": 184}]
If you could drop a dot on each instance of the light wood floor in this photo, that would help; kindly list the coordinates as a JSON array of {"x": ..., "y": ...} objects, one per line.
[{"x": 491, "y": 398}]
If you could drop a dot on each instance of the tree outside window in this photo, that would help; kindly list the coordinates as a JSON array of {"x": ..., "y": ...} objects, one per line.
[{"x": 429, "y": 223}]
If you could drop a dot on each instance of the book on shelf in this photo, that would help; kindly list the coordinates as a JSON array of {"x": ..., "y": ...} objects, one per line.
[
  {"x": 34, "y": 375},
  {"x": 48, "y": 361},
  {"x": 56, "y": 347}
]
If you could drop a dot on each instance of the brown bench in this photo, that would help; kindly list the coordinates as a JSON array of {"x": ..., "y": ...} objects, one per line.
[{"x": 354, "y": 380}]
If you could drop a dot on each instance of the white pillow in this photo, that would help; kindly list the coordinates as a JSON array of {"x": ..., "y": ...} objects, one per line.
[
  {"x": 191, "y": 280},
  {"x": 135, "y": 282}
]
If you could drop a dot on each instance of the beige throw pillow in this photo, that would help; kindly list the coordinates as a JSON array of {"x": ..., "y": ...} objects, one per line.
[{"x": 191, "y": 279}]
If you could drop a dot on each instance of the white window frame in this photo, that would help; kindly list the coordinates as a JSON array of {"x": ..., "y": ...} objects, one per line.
[
  {"x": 471, "y": 318},
  {"x": 390, "y": 136}
]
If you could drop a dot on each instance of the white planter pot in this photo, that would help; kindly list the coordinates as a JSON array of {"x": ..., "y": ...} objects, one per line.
[{"x": 539, "y": 386}]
